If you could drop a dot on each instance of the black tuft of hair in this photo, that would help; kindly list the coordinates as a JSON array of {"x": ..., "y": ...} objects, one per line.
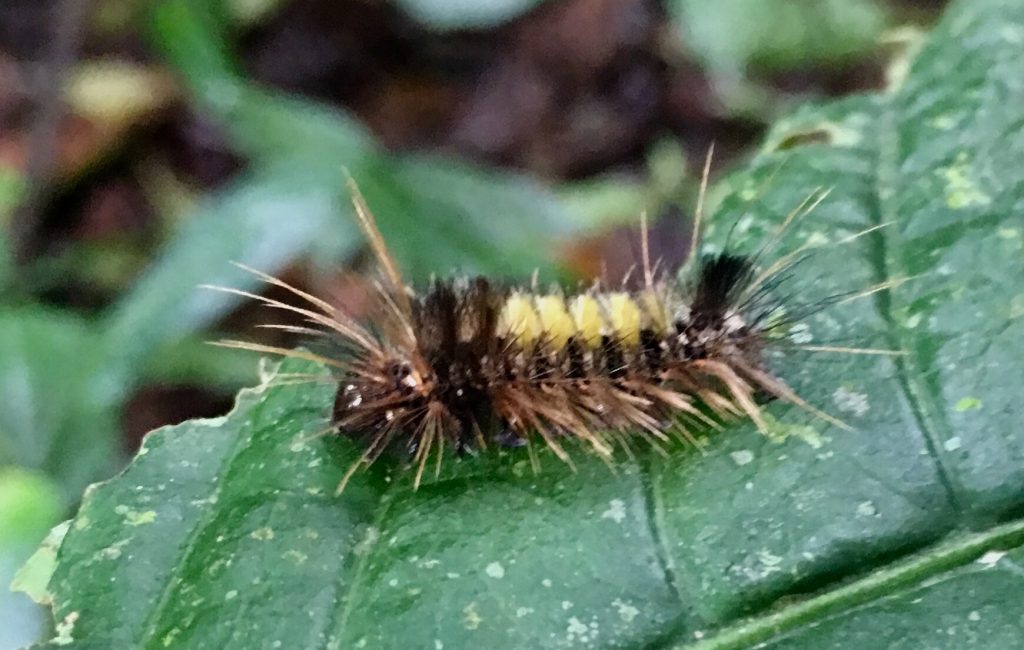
[{"x": 719, "y": 281}]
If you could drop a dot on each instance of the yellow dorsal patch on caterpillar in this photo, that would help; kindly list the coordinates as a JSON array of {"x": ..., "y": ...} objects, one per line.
[
  {"x": 624, "y": 317},
  {"x": 519, "y": 321},
  {"x": 586, "y": 314},
  {"x": 655, "y": 314},
  {"x": 555, "y": 320}
]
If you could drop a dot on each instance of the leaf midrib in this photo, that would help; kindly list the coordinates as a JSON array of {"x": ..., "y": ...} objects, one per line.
[
  {"x": 363, "y": 560},
  {"x": 927, "y": 414},
  {"x": 946, "y": 556}
]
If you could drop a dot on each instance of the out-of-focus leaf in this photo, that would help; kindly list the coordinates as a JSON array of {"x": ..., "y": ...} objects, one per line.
[
  {"x": 465, "y": 14},
  {"x": 263, "y": 219},
  {"x": 5, "y": 263},
  {"x": 30, "y": 503},
  {"x": 439, "y": 215},
  {"x": 269, "y": 127},
  {"x": 12, "y": 188},
  {"x": 194, "y": 361},
  {"x": 605, "y": 201},
  {"x": 56, "y": 403},
  {"x": 438, "y": 212},
  {"x": 732, "y": 35},
  {"x": 616, "y": 199},
  {"x": 737, "y": 38},
  {"x": 250, "y": 12}
]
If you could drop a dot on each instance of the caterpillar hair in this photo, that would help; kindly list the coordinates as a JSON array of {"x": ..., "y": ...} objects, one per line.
[{"x": 469, "y": 362}]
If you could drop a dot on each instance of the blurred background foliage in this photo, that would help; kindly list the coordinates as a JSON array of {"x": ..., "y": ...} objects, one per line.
[{"x": 145, "y": 144}]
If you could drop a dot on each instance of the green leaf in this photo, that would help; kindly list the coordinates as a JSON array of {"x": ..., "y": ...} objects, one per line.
[
  {"x": 29, "y": 504},
  {"x": 56, "y": 401},
  {"x": 480, "y": 221},
  {"x": 738, "y": 40},
  {"x": 193, "y": 360},
  {"x": 263, "y": 220},
  {"x": 732, "y": 35},
  {"x": 224, "y": 532},
  {"x": 265, "y": 125},
  {"x": 12, "y": 188}
]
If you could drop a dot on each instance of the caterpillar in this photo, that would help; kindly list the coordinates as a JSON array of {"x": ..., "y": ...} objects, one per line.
[{"x": 468, "y": 362}]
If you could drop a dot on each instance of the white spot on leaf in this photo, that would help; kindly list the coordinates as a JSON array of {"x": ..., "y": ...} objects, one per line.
[
  {"x": 470, "y": 619},
  {"x": 616, "y": 511},
  {"x": 742, "y": 457},
  {"x": 495, "y": 570},
  {"x": 65, "y": 629},
  {"x": 369, "y": 539},
  {"x": 990, "y": 559},
  {"x": 626, "y": 611},
  {"x": 849, "y": 401},
  {"x": 577, "y": 630}
]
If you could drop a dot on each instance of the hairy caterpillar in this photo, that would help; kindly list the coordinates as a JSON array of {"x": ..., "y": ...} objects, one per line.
[{"x": 467, "y": 361}]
